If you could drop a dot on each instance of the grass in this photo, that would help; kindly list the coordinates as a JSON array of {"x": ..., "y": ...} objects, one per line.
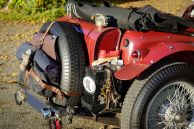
[
  {"x": 11, "y": 15},
  {"x": 170, "y": 6}
]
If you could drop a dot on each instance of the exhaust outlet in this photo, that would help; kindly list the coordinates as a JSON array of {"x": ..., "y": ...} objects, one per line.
[{"x": 46, "y": 113}]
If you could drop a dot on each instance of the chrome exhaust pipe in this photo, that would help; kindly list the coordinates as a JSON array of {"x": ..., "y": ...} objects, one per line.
[{"x": 46, "y": 113}]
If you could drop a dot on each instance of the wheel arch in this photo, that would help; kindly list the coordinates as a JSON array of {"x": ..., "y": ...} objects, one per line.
[
  {"x": 182, "y": 56},
  {"x": 140, "y": 69}
]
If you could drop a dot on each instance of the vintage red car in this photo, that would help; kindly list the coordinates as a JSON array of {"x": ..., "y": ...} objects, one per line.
[{"x": 139, "y": 61}]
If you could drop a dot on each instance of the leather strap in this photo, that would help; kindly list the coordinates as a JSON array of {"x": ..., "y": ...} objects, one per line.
[
  {"x": 38, "y": 44},
  {"x": 49, "y": 87},
  {"x": 42, "y": 40}
]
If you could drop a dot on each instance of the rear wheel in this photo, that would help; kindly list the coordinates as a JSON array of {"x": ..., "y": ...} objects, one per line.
[{"x": 163, "y": 100}]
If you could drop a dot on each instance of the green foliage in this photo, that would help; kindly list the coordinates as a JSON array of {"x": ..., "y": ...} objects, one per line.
[
  {"x": 42, "y": 5},
  {"x": 33, "y": 10},
  {"x": 33, "y": 6},
  {"x": 49, "y": 15},
  {"x": 16, "y": 4},
  {"x": 2, "y": 3},
  {"x": 39, "y": 17}
]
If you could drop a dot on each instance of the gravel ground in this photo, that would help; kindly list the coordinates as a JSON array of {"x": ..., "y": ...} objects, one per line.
[{"x": 23, "y": 117}]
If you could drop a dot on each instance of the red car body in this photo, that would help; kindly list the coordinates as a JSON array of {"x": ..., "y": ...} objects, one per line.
[{"x": 153, "y": 46}]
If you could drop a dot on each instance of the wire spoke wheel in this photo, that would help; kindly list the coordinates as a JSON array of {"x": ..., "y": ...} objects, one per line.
[
  {"x": 172, "y": 107},
  {"x": 163, "y": 99}
]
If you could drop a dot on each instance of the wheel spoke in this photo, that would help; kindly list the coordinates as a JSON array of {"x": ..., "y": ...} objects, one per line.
[{"x": 172, "y": 107}]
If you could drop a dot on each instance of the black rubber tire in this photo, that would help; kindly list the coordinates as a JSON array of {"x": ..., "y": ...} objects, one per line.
[
  {"x": 142, "y": 91},
  {"x": 70, "y": 53}
]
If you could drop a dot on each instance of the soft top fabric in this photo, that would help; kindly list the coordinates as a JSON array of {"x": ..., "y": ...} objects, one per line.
[{"x": 138, "y": 19}]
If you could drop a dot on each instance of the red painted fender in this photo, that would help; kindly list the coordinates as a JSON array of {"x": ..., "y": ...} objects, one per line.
[
  {"x": 156, "y": 53},
  {"x": 130, "y": 71},
  {"x": 96, "y": 38}
]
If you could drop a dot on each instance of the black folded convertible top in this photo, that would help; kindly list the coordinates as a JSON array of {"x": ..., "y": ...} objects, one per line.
[{"x": 138, "y": 19}]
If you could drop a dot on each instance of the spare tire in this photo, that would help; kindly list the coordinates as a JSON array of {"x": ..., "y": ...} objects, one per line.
[{"x": 71, "y": 57}]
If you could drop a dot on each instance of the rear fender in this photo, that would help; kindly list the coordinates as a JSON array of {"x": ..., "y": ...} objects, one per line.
[
  {"x": 156, "y": 53},
  {"x": 96, "y": 39}
]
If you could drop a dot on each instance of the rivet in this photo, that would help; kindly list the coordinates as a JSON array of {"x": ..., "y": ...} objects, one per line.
[
  {"x": 152, "y": 61},
  {"x": 169, "y": 37},
  {"x": 171, "y": 47}
]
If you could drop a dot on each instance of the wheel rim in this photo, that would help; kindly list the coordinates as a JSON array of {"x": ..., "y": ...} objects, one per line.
[{"x": 172, "y": 107}]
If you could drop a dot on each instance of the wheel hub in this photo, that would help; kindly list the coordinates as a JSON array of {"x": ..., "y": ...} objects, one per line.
[
  {"x": 178, "y": 118},
  {"x": 174, "y": 116}
]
